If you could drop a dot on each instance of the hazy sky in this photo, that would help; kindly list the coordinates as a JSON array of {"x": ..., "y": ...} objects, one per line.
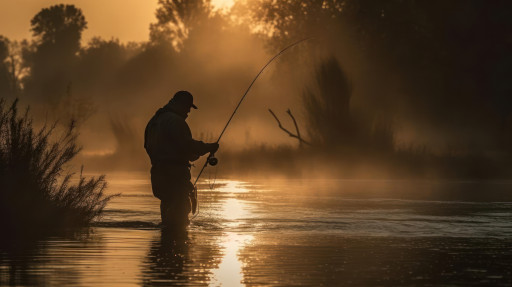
[{"x": 127, "y": 20}]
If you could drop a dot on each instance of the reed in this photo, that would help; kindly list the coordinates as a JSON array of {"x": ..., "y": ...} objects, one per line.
[{"x": 36, "y": 193}]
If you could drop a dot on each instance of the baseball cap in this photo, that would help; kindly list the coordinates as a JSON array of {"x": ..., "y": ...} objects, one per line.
[{"x": 184, "y": 97}]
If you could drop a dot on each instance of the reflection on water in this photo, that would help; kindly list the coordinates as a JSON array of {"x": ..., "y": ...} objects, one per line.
[
  {"x": 166, "y": 259},
  {"x": 229, "y": 272},
  {"x": 234, "y": 211},
  {"x": 284, "y": 233}
]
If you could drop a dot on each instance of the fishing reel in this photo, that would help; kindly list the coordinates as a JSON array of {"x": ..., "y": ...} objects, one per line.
[{"x": 212, "y": 160}]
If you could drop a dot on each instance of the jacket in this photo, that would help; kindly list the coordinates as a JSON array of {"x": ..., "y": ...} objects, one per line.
[{"x": 168, "y": 140}]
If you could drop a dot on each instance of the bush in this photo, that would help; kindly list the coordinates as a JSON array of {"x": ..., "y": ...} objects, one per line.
[
  {"x": 34, "y": 193},
  {"x": 331, "y": 122}
]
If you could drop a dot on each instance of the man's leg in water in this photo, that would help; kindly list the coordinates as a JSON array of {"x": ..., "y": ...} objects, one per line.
[
  {"x": 174, "y": 211},
  {"x": 170, "y": 185},
  {"x": 164, "y": 206}
]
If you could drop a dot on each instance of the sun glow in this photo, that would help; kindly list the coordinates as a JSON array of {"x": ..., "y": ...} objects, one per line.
[
  {"x": 223, "y": 4},
  {"x": 234, "y": 211}
]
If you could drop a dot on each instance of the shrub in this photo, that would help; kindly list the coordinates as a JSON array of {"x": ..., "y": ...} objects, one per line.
[
  {"x": 332, "y": 123},
  {"x": 35, "y": 195}
]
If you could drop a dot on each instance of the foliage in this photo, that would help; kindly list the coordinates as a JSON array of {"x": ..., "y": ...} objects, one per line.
[
  {"x": 59, "y": 24},
  {"x": 328, "y": 113},
  {"x": 289, "y": 20},
  {"x": 175, "y": 18},
  {"x": 414, "y": 40},
  {"x": 329, "y": 119},
  {"x": 10, "y": 66},
  {"x": 34, "y": 194},
  {"x": 51, "y": 57},
  {"x": 5, "y": 83},
  {"x": 4, "y": 48}
]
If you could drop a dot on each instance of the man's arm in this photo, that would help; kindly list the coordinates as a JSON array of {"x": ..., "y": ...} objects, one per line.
[
  {"x": 192, "y": 148},
  {"x": 200, "y": 148}
]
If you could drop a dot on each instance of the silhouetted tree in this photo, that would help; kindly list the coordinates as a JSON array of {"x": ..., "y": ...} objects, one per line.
[
  {"x": 328, "y": 108},
  {"x": 124, "y": 134},
  {"x": 11, "y": 67},
  {"x": 4, "y": 48},
  {"x": 330, "y": 121},
  {"x": 57, "y": 31},
  {"x": 5, "y": 83},
  {"x": 289, "y": 20},
  {"x": 175, "y": 18},
  {"x": 60, "y": 26},
  {"x": 101, "y": 62},
  {"x": 451, "y": 57}
]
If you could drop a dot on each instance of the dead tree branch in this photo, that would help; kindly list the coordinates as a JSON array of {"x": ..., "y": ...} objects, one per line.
[
  {"x": 289, "y": 112},
  {"x": 297, "y": 136}
]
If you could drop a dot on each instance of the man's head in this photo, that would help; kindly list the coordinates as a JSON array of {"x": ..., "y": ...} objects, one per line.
[{"x": 183, "y": 101}]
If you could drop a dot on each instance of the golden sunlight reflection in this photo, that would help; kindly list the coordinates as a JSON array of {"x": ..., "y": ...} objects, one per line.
[
  {"x": 234, "y": 211},
  {"x": 231, "y": 186},
  {"x": 229, "y": 272}
]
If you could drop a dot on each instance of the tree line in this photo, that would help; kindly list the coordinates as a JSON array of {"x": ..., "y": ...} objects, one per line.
[{"x": 449, "y": 58}]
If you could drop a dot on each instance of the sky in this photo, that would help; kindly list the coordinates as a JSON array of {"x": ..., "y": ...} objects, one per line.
[{"x": 132, "y": 17}]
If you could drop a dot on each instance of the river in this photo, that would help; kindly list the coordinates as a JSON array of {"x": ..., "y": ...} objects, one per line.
[{"x": 305, "y": 232}]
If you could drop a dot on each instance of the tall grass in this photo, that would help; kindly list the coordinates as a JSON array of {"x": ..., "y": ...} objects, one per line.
[{"x": 35, "y": 191}]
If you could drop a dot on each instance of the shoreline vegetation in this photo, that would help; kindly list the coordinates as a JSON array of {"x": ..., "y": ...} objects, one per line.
[
  {"x": 339, "y": 142},
  {"x": 37, "y": 193}
]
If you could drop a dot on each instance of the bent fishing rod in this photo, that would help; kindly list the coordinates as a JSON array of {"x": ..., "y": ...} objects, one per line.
[{"x": 212, "y": 160}]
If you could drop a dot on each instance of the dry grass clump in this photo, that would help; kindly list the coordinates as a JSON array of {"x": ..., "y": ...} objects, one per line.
[{"x": 34, "y": 192}]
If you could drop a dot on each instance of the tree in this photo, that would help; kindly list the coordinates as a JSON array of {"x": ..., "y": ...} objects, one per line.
[
  {"x": 175, "y": 19},
  {"x": 328, "y": 106},
  {"x": 329, "y": 119},
  {"x": 60, "y": 26},
  {"x": 5, "y": 85},
  {"x": 449, "y": 59},
  {"x": 11, "y": 68},
  {"x": 51, "y": 57},
  {"x": 288, "y": 20}
]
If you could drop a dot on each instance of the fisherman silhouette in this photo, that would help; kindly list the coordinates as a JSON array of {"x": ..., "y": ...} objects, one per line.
[{"x": 170, "y": 146}]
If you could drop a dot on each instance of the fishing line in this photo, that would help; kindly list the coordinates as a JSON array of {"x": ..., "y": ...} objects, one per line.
[{"x": 211, "y": 157}]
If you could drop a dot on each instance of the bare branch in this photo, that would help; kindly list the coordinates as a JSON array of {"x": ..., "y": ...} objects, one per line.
[
  {"x": 297, "y": 136},
  {"x": 296, "y": 126}
]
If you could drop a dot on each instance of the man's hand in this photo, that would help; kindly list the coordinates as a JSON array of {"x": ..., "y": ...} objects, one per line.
[{"x": 213, "y": 147}]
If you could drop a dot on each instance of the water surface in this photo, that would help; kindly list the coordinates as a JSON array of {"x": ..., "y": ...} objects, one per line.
[{"x": 285, "y": 232}]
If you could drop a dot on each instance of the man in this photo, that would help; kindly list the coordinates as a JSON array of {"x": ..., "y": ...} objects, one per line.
[{"x": 170, "y": 146}]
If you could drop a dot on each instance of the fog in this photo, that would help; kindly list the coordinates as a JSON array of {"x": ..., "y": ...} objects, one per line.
[{"x": 423, "y": 80}]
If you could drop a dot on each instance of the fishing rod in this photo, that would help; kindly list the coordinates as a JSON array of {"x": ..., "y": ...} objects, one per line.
[{"x": 212, "y": 160}]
